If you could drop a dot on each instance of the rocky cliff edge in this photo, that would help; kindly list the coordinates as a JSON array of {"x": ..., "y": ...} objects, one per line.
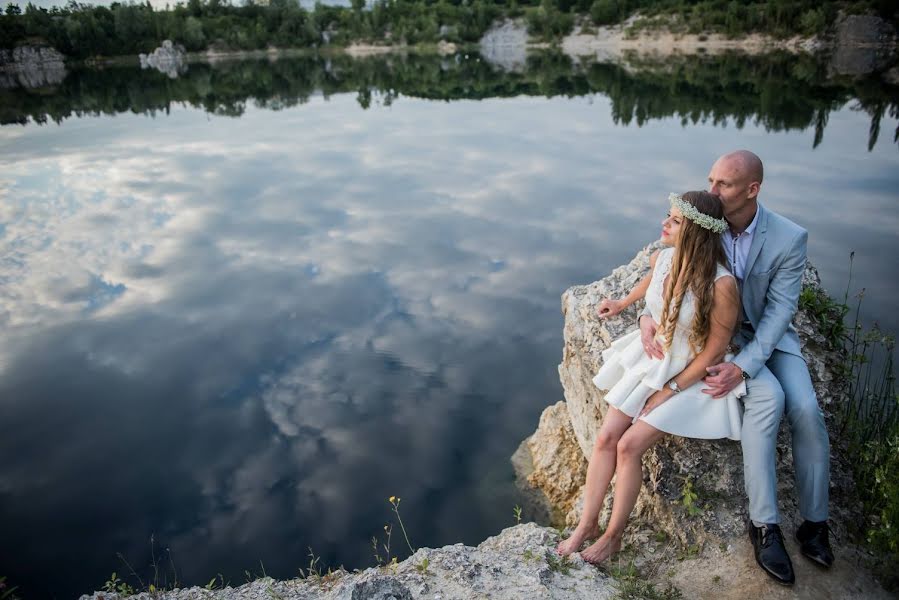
[{"x": 689, "y": 524}]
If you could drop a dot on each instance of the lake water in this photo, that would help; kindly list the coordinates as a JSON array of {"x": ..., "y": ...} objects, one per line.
[{"x": 242, "y": 308}]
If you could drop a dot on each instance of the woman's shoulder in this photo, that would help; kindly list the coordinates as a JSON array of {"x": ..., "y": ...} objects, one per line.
[
  {"x": 654, "y": 257},
  {"x": 665, "y": 253},
  {"x": 725, "y": 282},
  {"x": 723, "y": 271}
]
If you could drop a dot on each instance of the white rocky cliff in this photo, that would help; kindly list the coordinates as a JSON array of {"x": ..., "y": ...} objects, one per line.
[{"x": 692, "y": 503}]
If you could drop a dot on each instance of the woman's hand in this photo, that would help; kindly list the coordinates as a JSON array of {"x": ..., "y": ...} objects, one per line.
[
  {"x": 658, "y": 398},
  {"x": 648, "y": 329},
  {"x": 609, "y": 308}
]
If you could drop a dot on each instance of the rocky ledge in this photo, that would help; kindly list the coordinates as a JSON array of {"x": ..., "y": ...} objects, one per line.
[
  {"x": 692, "y": 504},
  {"x": 519, "y": 563}
]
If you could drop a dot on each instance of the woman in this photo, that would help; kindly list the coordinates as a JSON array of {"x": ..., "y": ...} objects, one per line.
[{"x": 694, "y": 299}]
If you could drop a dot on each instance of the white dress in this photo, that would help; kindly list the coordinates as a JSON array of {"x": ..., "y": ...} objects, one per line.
[{"x": 631, "y": 377}]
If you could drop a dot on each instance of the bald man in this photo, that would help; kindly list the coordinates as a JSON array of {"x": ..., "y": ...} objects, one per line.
[{"x": 767, "y": 254}]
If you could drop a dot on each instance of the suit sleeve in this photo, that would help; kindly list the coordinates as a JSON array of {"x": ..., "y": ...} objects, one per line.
[{"x": 781, "y": 302}]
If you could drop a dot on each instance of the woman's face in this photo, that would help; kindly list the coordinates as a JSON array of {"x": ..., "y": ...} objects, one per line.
[{"x": 671, "y": 226}]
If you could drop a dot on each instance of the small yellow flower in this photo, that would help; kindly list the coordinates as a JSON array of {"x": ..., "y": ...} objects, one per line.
[{"x": 392, "y": 499}]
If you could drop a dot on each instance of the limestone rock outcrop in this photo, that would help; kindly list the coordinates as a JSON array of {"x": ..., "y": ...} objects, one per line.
[
  {"x": 692, "y": 496},
  {"x": 863, "y": 44},
  {"x": 168, "y": 58},
  {"x": 505, "y": 45},
  {"x": 519, "y": 563},
  {"x": 31, "y": 67}
]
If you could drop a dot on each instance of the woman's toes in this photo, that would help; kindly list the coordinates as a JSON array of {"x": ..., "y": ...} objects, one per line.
[{"x": 601, "y": 550}]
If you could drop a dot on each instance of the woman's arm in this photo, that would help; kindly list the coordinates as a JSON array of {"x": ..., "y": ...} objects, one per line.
[
  {"x": 609, "y": 308},
  {"x": 725, "y": 312}
]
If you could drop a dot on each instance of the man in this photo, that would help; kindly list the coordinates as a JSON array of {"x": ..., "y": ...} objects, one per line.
[{"x": 767, "y": 256}]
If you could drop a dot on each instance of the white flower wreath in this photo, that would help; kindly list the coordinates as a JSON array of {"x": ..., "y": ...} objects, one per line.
[{"x": 691, "y": 212}]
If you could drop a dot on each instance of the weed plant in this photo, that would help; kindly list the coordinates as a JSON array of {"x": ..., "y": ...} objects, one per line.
[
  {"x": 7, "y": 592},
  {"x": 869, "y": 419},
  {"x": 631, "y": 584}
]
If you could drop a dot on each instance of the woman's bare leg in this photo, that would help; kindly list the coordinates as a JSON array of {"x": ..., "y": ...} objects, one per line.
[
  {"x": 599, "y": 474},
  {"x": 635, "y": 441}
]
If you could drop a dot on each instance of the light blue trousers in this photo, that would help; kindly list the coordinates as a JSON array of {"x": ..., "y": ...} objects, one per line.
[{"x": 784, "y": 388}]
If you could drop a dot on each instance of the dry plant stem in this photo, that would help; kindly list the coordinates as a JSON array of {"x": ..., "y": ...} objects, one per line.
[
  {"x": 130, "y": 568},
  {"x": 153, "y": 557},
  {"x": 403, "y": 528}
]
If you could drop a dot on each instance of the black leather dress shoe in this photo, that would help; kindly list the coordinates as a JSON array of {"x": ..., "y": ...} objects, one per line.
[
  {"x": 770, "y": 553},
  {"x": 814, "y": 543}
]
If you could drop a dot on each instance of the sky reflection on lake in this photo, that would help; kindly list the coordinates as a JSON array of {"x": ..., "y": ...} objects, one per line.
[{"x": 243, "y": 335}]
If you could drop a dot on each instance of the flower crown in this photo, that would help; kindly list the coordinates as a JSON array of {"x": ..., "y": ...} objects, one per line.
[{"x": 691, "y": 212}]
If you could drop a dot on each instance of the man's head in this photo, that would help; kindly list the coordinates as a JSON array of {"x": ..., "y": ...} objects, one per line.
[{"x": 736, "y": 179}]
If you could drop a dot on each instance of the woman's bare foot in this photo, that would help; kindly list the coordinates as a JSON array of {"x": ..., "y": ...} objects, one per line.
[
  {"x": 573, "y": 543},
  {"x": 602, "y": 549}
]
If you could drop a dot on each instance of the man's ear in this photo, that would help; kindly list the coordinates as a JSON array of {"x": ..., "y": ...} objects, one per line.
[{"x": 754, "y": 189}]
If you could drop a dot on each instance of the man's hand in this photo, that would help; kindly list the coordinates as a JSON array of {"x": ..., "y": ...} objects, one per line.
[
  {"x": 648, "y": 329},
  {"x": 722, "y": 378},
  {"x": 609, "y": 308}
]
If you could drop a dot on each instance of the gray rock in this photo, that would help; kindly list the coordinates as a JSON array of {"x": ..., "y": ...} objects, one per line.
[
  {"x": 863, "y": 44},
  {"x": 892, "y": 76},
  {"x": 518, "y": 563},
  {"x": 505, "y": 45},
  {"x": 31, "y": 67},
  {"x": 381, "y": 587},
  {"x": 168, "y": 58}
]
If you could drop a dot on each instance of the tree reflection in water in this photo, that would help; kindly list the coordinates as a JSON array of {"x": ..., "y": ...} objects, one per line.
[{"x": 778, "y": 91}]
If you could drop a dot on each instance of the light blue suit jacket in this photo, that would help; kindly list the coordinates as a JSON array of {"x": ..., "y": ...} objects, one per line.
[{"x": 770, "y": 290}]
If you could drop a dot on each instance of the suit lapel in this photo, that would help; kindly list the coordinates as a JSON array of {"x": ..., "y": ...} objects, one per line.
[{"x": 758, "y": 238}]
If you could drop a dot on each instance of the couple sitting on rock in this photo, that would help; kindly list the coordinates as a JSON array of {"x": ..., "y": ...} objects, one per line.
[{"x": 716, "y": 334}]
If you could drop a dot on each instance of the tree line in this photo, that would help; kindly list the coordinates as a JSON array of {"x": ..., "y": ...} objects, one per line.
[
  {"x": 83, "y": 30},
  {"x": 778, "y": 91}
]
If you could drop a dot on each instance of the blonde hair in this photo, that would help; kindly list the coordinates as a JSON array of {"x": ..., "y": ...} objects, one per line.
[{"x": 697, "y": 254}]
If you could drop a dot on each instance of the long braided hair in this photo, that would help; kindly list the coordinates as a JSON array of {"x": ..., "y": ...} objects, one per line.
[{"x": 697, "y": 254}]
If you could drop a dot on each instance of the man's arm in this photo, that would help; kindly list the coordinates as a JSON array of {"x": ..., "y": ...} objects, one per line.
[{"x": 782, "y": 300}]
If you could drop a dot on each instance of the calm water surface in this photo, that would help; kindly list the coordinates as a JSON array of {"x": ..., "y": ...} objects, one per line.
[{"x": 242, "y": 308}]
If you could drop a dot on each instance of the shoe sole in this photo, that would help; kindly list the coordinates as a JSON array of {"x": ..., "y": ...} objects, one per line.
[{"x": 818, "y": 562}]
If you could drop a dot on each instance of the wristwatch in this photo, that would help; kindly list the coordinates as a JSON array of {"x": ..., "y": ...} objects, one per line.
[
  {"x": 743, "y": 374},
  {"x": 672, "y": 385}
]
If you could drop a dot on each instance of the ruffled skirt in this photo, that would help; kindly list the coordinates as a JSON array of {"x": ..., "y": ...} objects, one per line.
[{"x": 631, "y": 377}]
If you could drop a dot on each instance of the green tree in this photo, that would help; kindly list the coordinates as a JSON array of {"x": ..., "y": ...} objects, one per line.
[
  {"x": 604, "y": 12},
  {"x": 194, "y": 38}
]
